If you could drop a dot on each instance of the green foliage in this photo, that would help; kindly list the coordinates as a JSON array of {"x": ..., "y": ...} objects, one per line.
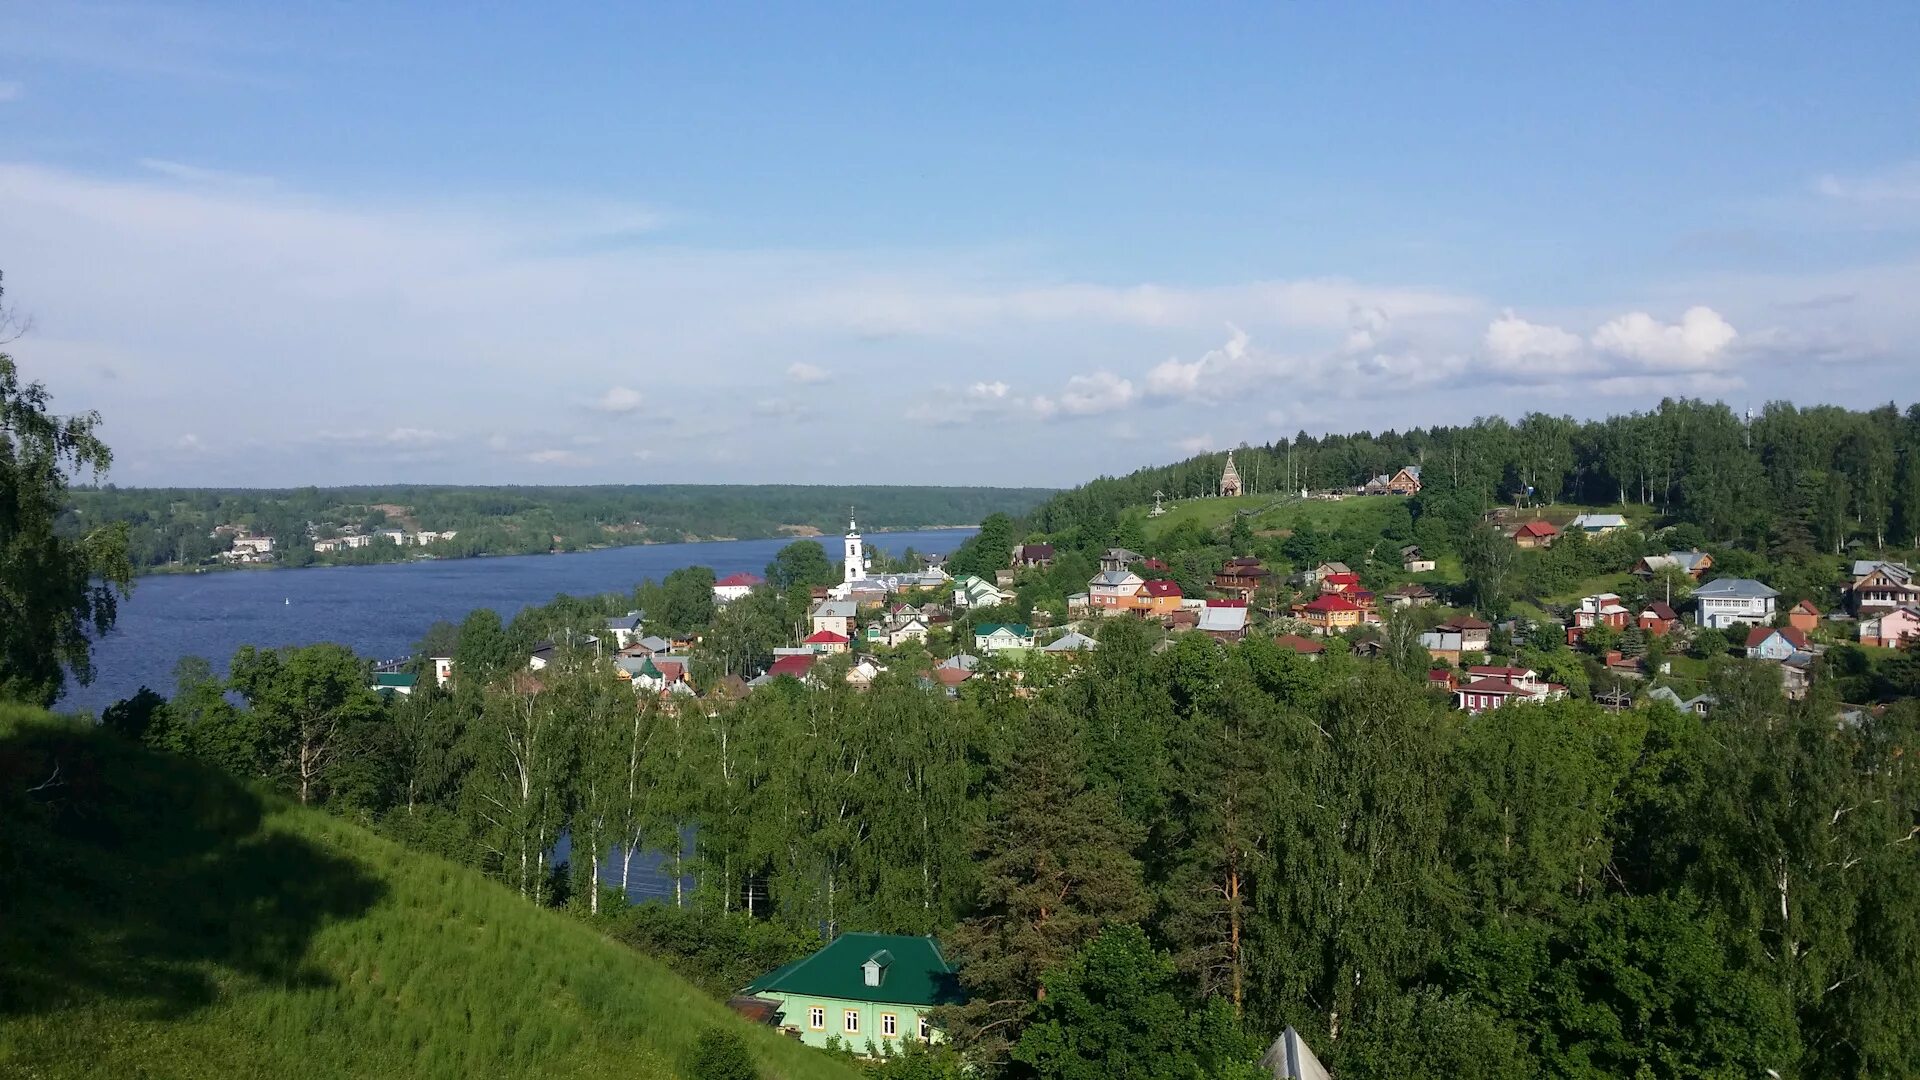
[
  {"x": 60, "y": 586},
  {"x": 717, "y": 951},
  {"x": 1115, "y": 1010},
  {"x": 803, "y": 562},
  {"x": 721, "y": 1054}
]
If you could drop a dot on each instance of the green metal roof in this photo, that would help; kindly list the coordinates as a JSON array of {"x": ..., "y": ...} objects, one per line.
[
  {"x": 394, "y": 678},
  {"x": 1016, "y": 629},
  {"x": 912, "y": 972}
]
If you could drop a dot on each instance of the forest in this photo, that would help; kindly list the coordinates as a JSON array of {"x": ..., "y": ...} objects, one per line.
[
  {"x": 174, "y": 527},
  {"x": 1229, "y": 839}
]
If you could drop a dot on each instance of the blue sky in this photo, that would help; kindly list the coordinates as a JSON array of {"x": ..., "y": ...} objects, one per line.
[{"x": 362, "y": 243}]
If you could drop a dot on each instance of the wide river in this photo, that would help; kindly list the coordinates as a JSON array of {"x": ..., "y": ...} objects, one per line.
[{"x": 382, "y": 610}]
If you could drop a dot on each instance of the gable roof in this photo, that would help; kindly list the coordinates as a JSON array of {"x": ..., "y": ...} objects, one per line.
[
  {"x": 1161, "y": 587},
  {"x": 835, "y": 609},
  {"x": 1222, "y": 619},
  {"x": 1493, "y": 686},
  {"x": 742, "y": 578},
  {"x": 914, "y": 972},
  {"x": 825, "y": 637},
  {"x": 1537, "y": 528},
  {"x": 1465, "y": 622},
  {"x": 1036, "y": 551},
  {"x": 1805, "y": 607},
  {"x": 1115, "y": 578},
  {"x": 1598, "y": 521},
  {"x": 1790, "y": 634},
  {"x": 1735, "y": 589},
  {"x": 1659, "y": 610},
  {"x": 1332, "y": 602},
  {"x": 1305, "y": 646},
  {"x": 1348, "y": 578},
  {"x": 793, "y": 666},
  {"x": 1073, "y": 641},
  {"x": 989, "y": 629}
]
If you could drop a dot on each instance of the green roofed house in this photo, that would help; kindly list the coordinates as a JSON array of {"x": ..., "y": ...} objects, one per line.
[
  {"x": 388, "y": 683},
  {"x": 872, "y": 991},
  {"x": 1001, "y": 637}
]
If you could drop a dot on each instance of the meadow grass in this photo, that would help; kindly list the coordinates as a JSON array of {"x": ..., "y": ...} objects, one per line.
[{"x": 162, "y": 920}]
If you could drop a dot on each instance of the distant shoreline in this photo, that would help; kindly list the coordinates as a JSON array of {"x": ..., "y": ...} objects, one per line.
[{"x": 227, "y": 568}]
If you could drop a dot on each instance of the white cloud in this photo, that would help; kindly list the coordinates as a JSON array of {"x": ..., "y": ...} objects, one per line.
[
  {"x": 1699, "y": 340},
  {"x": 412, "y": 436},
  {"x": 1516, "y": 344},
  {"x": 618, "y": 400},
  {"x": 1194, "y": 444},
  {"x": 558, "y": 457},
  {"x": 802, "y": 372},
  {"x": 988, "y": 391},
  {"x": 11, "y": 91},
  {"x": 195, "y": 174},
  {"x": 1198, "y": 379},
  {"x": 1100, "y": 392},
  {"x": 1367, "y": 326},
  {"x": 189, "y": 443},
  {"x": 1898, "y": 184}
]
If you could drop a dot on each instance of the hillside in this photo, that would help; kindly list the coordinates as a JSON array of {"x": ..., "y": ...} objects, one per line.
[{"x": 162, "y": 920}]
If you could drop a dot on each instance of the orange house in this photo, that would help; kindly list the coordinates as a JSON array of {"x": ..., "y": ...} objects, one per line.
[
  {"x": 1804, "y": 617},
  {"x": 1535, "y": 534},
  {"x": 1157, "y": 598},
  {"x": 1331, "y": 613}
]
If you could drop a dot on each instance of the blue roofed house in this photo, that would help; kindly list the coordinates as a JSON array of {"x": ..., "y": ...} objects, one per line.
[
  {"x": 871, "y": 991},
  {"x": 1597, "y": 524},
  {"x": 1725, "y": 601}
]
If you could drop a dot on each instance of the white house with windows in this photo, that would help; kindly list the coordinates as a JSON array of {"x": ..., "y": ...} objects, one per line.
[{"x": 1723, "y": 602}]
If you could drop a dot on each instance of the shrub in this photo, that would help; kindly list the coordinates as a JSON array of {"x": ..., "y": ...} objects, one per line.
[{"x": 720, "y": 1054}]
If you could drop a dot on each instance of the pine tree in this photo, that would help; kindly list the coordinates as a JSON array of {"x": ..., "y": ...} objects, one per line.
[{"x": 1056, "y": 867}]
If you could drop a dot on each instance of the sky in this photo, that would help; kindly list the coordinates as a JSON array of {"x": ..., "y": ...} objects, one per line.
[{"x": 982, "y": 244}]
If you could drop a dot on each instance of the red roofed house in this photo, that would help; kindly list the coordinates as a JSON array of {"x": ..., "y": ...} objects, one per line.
[
  {"x": 1658, "y": 619},
  {"x": 1033, "y": 555},
  {"x": 826, "y": 642},
  {"x": 1441, "y": 678},
  {"x": 1774, "y": 643},
  {"x": 1304, "y": 646},
  {"x": 1339, "y": 583},
  {"x": 1601, "y": 609},
  {"x": 734, "y": 586},
  {"x": 793, "y": 667},
  {"x": 1804, "y": 617},
  {"x": 1492, "y": 687},
  {"x": 1535, "y": 534},
  {"x": 1153, "y": 564},
  {"x": 1331, "y": 613},
  {"x": 1157, "y": 598}
]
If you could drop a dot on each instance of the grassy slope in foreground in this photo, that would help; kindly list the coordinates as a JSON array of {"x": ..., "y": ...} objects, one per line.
[{"x": 162, "y": 920}]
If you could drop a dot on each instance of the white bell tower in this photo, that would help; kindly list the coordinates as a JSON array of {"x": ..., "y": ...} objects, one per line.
[{"x": 856, "y": 556}]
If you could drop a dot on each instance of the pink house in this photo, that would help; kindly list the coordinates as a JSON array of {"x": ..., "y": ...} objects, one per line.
[{"x": 1891, "y": 629}]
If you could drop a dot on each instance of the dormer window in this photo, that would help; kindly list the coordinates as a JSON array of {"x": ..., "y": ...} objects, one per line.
[{"x": 875, "y": 968}]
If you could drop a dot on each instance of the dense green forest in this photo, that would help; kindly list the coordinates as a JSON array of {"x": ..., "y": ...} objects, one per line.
[
  {"x": 175, "y": 526},
  {"x": 1817, "y": 477}
]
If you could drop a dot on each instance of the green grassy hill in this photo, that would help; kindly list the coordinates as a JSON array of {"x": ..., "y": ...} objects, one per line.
[{"x": 157, "y": 919}]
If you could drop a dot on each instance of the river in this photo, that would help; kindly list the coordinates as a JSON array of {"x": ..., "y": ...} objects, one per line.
[{"x": 380, "y": 611}]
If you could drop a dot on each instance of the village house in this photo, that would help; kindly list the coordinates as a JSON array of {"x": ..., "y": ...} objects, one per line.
[
  {"x": 870, "y": 992},
  {"x": 862, "y": 672},
  {"x": 1796, "y": 675},
  {"x": 973, "y": 591},
  {"x": 904, "y": 628},
  {"x": 1330, "y": 613},
  {"x": 1597, "y": 524},
  {"x": 1002, "y": 637},
  {"x": 1415, "y": 561},
  {"x": 1603, "y": 609},
  {"x": 249, "y": 549},
  {"x": 1031, "y": 555},
  {"x": 1114, "y": 590},
  {"x": 1725, "y": 601},
  {"x": 442, "y": 670},
  {"x": 1658, "y": 619},
  {"x": 624, "y": 630},
  {"x": 1697, "y": 705},
  {"x": 1406, "y": 481},
  {"x": 1340, "y": 583},
  {"x": 735, "y": 587},
  {"x": 1377, "y": 485},
  {"x": 1157, "y": 598},
  {"x": 827, "y": 642},
  {"x": 1223, "y": 620},
  {"x": 389, "y": 683},
  {"x": 1876, "y": 585},
  {"x": 788, "y": 667},
  {"x": 1300, "y": 646},
  {"x": 1474, "y": 632},
  {"x": 1073, "y": 641},
  {"x": 1804, "y": 617},
  {"x": 1491, "y": 687},
  {"x": 1691, "y": 563},
  {"x": 1898, "y": 628},
  {"x": 1118, "y": 558},
  {"x": 1535, "y": 534},
  {"x": 1409, "y": 595},
  {"x": 1442, "y": 679},
  {"x": 1774, "y": 643},
  {"x": 835, "y": 616},
  {"x": 1241, "y": 577}
]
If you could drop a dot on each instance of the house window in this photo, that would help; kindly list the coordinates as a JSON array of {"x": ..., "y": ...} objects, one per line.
[
  {"x": 817, "y": 1018},
  {"x": 926, "y": 1030},
  {"x": 853, "y": 1021},
  {"x": 889, "y": 1025}
]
